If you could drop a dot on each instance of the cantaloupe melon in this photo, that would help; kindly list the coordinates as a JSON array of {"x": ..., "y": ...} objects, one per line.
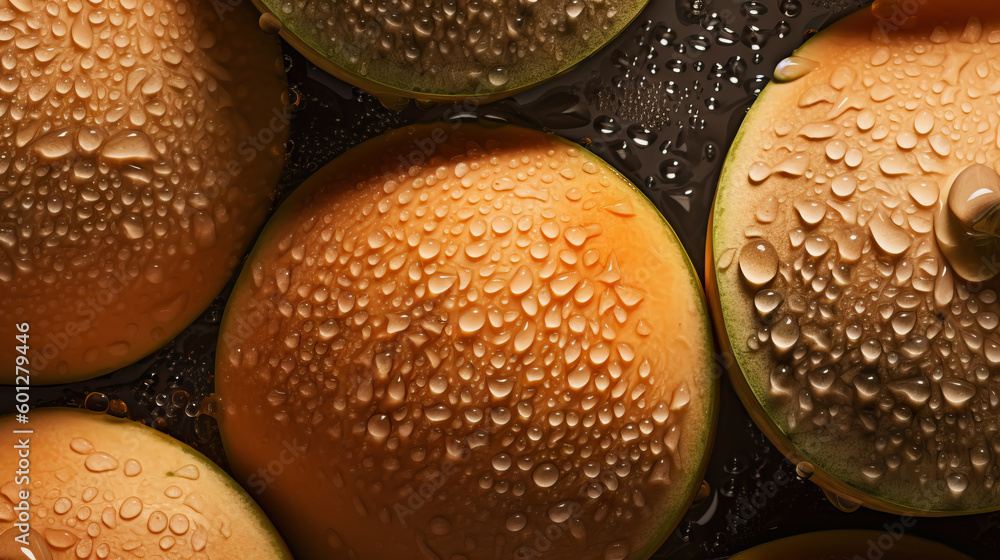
[
  {"x": 465, "y": 341},
  {"x": 853, "y": 248},
  {"x": 140, "y": 144},
  {"x": 894, "y": 543},
  {"x": 445, "y": 50},
  {"x": 87, "y": 485}
]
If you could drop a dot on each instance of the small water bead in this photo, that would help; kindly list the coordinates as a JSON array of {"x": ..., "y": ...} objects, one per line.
[
  {"x": 758, "y": 262},
  {"x": 132, "y": 468},
  {"x": 924, "y": 193},
  {"x": 82, "y": 446},
  {"x": 793, "y": 68},
  {"x": 498, "y": 76},
  {"x": 62, "y": 505},
  {"x": 100, "y": 462},
  {"x": 811, "y": 212},
  {"x": 471, "y": 320},
  {"x": 906, "y": 140},
  {"x": 817, "y": 245},
  {"x": 980, "y": 456},
  {"x": 130, "y": 508},
  {"x": 379, "y": 426},
  {"x": 785, "y": 333},
  {"x": 616, "y": 551},
  {"x": 437, "y": 413},
  {"x": 957, "y": 392},
  {"x": 189, "y": 472},
  {"x": 545, "y": 475},
  {"x": 889, "y": 237},
  {"x": 759, "y": 171},
  {"x": 516, "y": 522},
  {"x": 767, "y": 301},
  {"x": 957, "y": 482}
]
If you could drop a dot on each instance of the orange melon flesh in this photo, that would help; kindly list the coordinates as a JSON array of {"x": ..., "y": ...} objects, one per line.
[
  {"x": 866, "y": 348},
  {"x": 891, "y": 544},
  {"x": 102, "y": 487},
  {"x": 461, "y": 341},
  {"x": 141, "y": 146}
]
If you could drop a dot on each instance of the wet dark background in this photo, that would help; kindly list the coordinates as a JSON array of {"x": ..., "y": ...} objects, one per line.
[{"x": 661, "y": 103}]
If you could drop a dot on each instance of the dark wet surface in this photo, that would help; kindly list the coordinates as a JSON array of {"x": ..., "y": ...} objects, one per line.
[{"x": 661, "y": 104}]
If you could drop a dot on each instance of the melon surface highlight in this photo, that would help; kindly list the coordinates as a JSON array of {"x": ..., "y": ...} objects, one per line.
[
  {"x": 492, "y": 348},
  {"x": 850, "y": 246},
  {"x": 446, "y": 49},
  {"x": 852, "y": 544},
  {"x": 103, "y": 487},
  {"x": 140, "y": 147}
]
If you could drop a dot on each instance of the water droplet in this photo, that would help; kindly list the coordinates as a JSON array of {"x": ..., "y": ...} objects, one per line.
[
  {"x": 871, "y": 349},
  {"x": 958, "y": 482},
  {"x": 130, "y": 508},
  {"x": 844, "y": 186},
  {"x": 132, "y": 468},
  {"x": 545, "y": 475},
  {"x": 189, "y": 472},
  {"x": 888, "y": 236},
  {"x": 100, "y": 462},
  {"x": 498, "y": 76},
  {"x": 437, "y": 413},
  {"x": 516, "y": 522},
  {"x": 617, "y": 551},
  {"x": 129, "y": 145},
  {"x": 522, "y": 281},
  {"x": 561, "y": 512},
  {"x": 924, "y": 193},
  {"x": 812, "y": 212},
  {"x": 793, "y": 68},
  {"x": 957, "y": 392},
  {"x": 379, "y": 426},
  {"x": 59, "y": 539},
  {"x": 471, "y": 320},
  {"x": 564, "y": 283},
  {"x": 579, "y": 377},
  {"x": 62, "y": 505},
  {"x": 500, "y": 388},
  {"x": 758, "y": 262},
  {"x": 81, "y": 446},
  {"x": 179, "y": 524},
  {"x": 785, "y": 333}
]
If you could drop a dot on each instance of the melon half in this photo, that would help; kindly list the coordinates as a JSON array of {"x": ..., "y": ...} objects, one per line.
[
  {"x": 463, "y": 341},
  {"x": 445, "y": 50},
  {"x": 140, "y": 145},
  {"x": 853, "y": 249},
  {"x": 86, "y": 485},
  {"x": 894, "y": 543}
]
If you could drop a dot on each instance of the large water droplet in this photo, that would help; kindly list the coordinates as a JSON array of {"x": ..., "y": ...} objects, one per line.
[
  {"x": 545, "y": 475},
  {"x": 758, "y": 262}
]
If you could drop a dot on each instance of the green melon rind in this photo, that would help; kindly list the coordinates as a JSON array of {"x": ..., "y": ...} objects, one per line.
[
  {"x": 390, "y": 81},
  {"x": 832, "y": 459},
  {"x": 240, "y": 502},
  {"x": 701, "y": 447}
]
